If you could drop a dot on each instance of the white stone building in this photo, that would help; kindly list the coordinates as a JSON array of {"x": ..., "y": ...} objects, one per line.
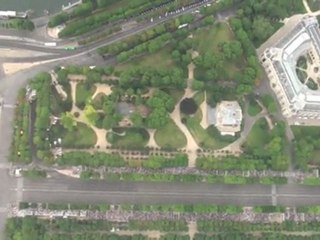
[
  {"x": 279, "y": 57},
  {"x": 228, "y": 117}
]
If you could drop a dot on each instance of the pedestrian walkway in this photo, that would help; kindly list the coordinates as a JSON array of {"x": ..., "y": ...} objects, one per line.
[
  {"x": 306, "y": 6},
  {"x": 152, "y": 142},
  {"x": 102, "y": 88}
]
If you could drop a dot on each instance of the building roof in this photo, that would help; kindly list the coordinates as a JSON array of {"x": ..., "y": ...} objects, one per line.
[
  {"x": 229, "y": 113},
  {"x": 8, "y": 13},
  {"x": 303, "y": 37}
]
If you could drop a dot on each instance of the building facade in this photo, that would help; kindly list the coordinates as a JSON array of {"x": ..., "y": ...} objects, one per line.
[{"x": 280, "y": 60}]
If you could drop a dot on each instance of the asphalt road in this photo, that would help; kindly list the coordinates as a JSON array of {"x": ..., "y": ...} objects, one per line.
[
  {"x": 65, "y": 190},
  {"x": 61, "y": 54}
]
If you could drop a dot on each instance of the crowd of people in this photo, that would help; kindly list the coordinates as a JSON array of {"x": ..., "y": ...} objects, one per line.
[{"x": 118, "y": 215}]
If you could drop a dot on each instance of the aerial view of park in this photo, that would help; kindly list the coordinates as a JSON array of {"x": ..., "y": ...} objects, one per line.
[{"x": 167, "y": 120}]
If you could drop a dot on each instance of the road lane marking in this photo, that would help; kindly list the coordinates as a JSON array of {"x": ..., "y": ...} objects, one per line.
[
  {"x": 293, "y": 195},
  {"x": 9, "y": 106},
  {"x": 274, "y": 195},
  {"x": 145, "y": 193},
  {"x": 19, "y": 189}
]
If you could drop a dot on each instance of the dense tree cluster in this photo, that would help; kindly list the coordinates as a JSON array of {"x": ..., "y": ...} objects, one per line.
[
  {"x": 212, "y": 71},
  {"x": 306, "y": 145},
  {"x": 67, "y": 120},
  {"x": 260, "y": 19},
  {"x": 161, "y": 104}
]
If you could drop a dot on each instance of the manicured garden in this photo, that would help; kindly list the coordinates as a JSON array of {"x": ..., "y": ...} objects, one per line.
[
  {"x": 205, "y": 138},
  {"x": 129, "y": 138},
  {"x": 170, "y": 136},
  {"x": 302, "y": 62},
  {"x": 259, "y": 135},
  {"x": 80, "y": 136}
]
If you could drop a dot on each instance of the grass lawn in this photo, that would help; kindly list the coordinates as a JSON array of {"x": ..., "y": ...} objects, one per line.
[
  {"x": 161, "y": 59},
  {"x": 82, "y": 136},
  {"x": 311, "y": 181},
  {"x": 258, "y": 135},
  {"x": 208, "y": 39},
  {"x": 130, "y": 138},
  {"x": 199, "y": 98},
  {"x": 202, "y": 136},
  {"x": 253, "y": 107},
  {"x": 170, "y": 136}
]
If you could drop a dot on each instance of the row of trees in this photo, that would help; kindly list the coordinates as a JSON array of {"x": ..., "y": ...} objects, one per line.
[
  {"x": 149, "y": 46},
  {"x": 138, "y": 39},
  {"x": 185, "y": 208},
  {"x": 113, "y": 160},
  {"x": 91, "y": 15},
  {"x": 245, "y": 162},
  {"x": 142, "y": 77},
  {"x": 158, "y": 162},
  {"x": 93, "y": 160},
  {"x": 20, "y": 24},
  {"x": 41, "y": 83},
  {"x": 20, "y": 146}
]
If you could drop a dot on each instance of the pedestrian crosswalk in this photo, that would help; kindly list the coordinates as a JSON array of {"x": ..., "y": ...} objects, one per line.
[{"x": 8, "y": 106}]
